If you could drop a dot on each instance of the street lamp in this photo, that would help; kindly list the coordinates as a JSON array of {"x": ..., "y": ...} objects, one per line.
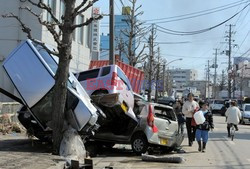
[
  {"x": 164, "y": 66},
  {"x": 173, "y": 61}
]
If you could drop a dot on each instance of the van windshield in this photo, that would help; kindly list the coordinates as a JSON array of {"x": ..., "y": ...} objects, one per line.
[
  {"x": 88, "y": 75},
  {"x": 124, "y": 78}
]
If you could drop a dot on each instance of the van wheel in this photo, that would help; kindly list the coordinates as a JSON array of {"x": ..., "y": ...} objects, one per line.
[{"x": 139, "y": 143}]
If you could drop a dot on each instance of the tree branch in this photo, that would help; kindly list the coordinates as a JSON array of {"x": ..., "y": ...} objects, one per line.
[
  {"x": 49, "y": 26},
  {"x": 27, "y": 30},
  {"x": 87, "y": 22},
  {"x": 78, "y": 9},
  {"x": 42, "y": 5}
]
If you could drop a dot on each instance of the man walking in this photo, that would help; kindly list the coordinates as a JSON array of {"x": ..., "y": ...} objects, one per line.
[{"x": 188, "y": 110}]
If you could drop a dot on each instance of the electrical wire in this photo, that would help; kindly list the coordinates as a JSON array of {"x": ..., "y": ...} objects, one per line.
[
  {"x": 173, "y": 32},
  {"x": 200, "y": 13}
]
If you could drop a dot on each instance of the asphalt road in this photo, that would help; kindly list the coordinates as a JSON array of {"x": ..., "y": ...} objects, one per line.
[
  {"x": 17, "y": 152},
  {"x": 221, "y": 153}
]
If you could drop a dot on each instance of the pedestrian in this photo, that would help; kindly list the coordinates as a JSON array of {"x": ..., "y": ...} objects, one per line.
[
  {"x": 233, "y": 116},
  {"x": 180, "y": 116},
  {"x": 188, "y": 109},
  {"x": 203, "y": 129}
]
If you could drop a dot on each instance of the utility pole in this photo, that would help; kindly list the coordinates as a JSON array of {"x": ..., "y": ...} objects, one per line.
[
  {"x": 229, "y": 61},
  {"x": 163, "y": 79},
  {"x": 111, "y": 32},
  {"x": 151, "y": 56},
  {"x": 157, "y": 75},
  {"x": 208, "y": 79},
  {"x": 215, "y": 72}
]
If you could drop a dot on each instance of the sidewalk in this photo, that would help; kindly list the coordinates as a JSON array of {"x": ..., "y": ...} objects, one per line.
[{"x": 17, "y": 152}]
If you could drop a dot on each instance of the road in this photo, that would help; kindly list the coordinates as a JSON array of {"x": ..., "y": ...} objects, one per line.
[
  {"x": 221, "y": 153},
  {"x": 17, "y": 152}
]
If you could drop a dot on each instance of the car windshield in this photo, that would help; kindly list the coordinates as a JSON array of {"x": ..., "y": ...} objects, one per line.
[
  {"x": 247, "y": 108},
  {"x": 218, "y": 102}
]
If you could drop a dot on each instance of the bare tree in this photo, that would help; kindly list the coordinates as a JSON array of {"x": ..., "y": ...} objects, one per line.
[
  {"x": 62, "y": 32},
  {"x": 135, "y": 32}
]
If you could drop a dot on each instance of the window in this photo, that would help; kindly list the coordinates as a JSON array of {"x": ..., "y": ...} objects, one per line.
[
  {"x": 164, "y": 113},
  {"x": 247, "y": 108},
  {"x": 105, "y": 71},
  {"x": 52, "y": 5},
  {"x": 62, "y": 9},
  {"x": 88, "y": 75},
  {"x": 80, "y": 30},
  {"x": 87, "y": 36}
]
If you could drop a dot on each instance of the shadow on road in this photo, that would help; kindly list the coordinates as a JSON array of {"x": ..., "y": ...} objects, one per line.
[{"x": 24, "y": 145}]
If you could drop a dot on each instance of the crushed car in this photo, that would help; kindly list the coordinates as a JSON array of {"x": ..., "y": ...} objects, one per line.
[{"x": 157, "y": 127}]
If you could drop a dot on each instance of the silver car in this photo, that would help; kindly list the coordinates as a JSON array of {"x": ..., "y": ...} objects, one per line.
[
  {"x": 31, "y": 70},
  {"x": 157, "y": 127}
]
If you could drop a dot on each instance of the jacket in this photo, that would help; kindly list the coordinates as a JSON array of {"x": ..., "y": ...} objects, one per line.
[
  {"x": 209, "y": 122},
  {"x": 189, "y": 108},
  {"x": 233, "y": 115}
]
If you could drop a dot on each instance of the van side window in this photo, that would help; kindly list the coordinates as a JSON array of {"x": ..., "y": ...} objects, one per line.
[
  {"x": 88, "y": 75},
  {"x": 105, "y": 71}
]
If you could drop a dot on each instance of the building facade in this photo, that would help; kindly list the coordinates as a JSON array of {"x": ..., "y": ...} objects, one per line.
[
  {"x": 11, "y": 34},
  {"x": 122, "y": 27},
  {"x": 180, "y": 77}
]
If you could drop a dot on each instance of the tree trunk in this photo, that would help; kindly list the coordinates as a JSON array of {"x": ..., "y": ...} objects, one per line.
[{"x": 61, "y": 77}]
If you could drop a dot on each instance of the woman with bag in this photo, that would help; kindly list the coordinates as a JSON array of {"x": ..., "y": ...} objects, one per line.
[
  {"x": 204, "y": 122},
  {"x": 188, "y": 110}
]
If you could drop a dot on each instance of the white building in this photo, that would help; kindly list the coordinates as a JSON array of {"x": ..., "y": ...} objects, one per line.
[
  {"x": 181, "y": 76},
  {"x": 11, "y": 34}
]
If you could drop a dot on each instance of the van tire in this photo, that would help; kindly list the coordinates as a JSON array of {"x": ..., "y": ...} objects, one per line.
[{"x": 139, "y": 143}]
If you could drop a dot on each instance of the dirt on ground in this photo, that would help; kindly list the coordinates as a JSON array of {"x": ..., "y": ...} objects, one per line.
[{"x": 20, "y": 152}]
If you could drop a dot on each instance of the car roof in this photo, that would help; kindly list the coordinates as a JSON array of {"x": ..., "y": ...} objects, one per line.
[{"x": 161, "y": 105}]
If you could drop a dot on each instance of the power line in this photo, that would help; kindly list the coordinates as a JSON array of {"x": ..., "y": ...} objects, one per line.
[
  {"x": 173, "y": 32},
  {"x": 208, "y": 11}
]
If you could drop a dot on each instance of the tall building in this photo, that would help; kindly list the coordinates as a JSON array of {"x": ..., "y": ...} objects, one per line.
[
  {"x": 11, "y": 34},
  {"x": 181, "y": 77},
  {"x": 122, "y": 27}
]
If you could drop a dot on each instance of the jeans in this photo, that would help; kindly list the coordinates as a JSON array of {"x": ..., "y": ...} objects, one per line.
[
  {"x": 202, "y": 134},
  {"x": 190, "y": 130}
]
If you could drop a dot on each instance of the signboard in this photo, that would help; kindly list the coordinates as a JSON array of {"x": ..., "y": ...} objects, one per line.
[{"x": 95, "y": 31}]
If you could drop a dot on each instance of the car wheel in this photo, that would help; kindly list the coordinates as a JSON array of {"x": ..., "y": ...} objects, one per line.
[{"x": 139, "y": 144}]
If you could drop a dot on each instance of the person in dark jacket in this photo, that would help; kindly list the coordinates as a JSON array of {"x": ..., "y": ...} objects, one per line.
[
  {"x": 180, "y": 116},
  {"x": 203, "y": 129}
]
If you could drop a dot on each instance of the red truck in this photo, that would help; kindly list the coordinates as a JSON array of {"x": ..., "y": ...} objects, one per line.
[{"x": 135, "y": 76}]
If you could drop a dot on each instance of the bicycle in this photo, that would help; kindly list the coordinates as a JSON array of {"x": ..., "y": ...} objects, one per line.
[{"x": 232, "y": 131}]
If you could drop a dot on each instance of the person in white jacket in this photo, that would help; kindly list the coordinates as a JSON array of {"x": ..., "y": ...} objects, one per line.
[
  {"x": 188, "y": 109},
  {"x": 233, "y": 116}
]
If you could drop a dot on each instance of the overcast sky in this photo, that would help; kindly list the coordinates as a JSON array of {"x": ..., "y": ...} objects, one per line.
[{"x": 199, "y": 48}]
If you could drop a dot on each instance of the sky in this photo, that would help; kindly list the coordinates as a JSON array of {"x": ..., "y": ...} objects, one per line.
[{"x": 199, "y": 48}]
